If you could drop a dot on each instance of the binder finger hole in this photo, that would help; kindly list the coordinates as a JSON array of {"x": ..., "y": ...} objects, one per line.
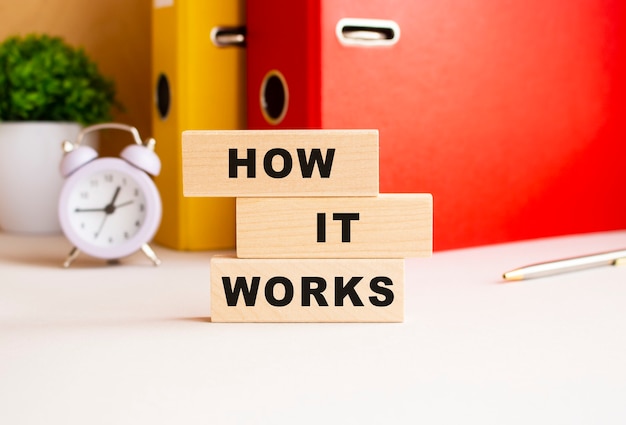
[
  {"x": 228, "y": 36},
  {"x": 274, "y": 97},
  {"x": 367, "y": 32},
  {"x": 163, "y": 96}
]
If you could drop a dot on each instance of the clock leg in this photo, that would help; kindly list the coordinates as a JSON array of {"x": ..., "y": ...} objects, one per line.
[
  {"x": 150, "y": 254},
  {"x": 71, "y": 257}
]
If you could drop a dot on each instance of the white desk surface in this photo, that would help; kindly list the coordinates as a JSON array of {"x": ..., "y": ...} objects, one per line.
[{"x": 132, "y": 344}]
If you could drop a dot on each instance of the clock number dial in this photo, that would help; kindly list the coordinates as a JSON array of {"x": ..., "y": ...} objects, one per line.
[{"x": 108, "y": 208}]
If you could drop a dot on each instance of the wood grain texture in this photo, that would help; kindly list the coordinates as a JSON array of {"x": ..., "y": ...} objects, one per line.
[
  {"x": 388, "y": 226},
  {"x": 354, "y": 170},
  {"x": 308, "y": 290}
]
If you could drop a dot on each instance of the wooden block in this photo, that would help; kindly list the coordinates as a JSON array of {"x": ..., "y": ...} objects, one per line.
[
  {"x": 280, "y": 163},
  {"x": 307, "y": 290},
  {"x": 386, "y": 226}
]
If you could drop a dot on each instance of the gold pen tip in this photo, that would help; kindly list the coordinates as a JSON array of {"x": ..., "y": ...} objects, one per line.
[{"x": 513, "y": 275}]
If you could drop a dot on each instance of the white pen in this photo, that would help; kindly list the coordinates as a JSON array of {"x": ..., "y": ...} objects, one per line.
[{"x": 567, "y": 265}]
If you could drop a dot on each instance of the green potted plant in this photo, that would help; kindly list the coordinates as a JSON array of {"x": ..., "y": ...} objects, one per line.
[{"x": 49, "y": 90}]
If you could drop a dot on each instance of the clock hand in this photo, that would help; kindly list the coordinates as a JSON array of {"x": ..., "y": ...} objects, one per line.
[
  {"x": 123, "y": 204},
  {"x": 109, "y": 209},
  {"x": 104, "y": 219},
  {"x": 117, "y": 192},
  {"x": 89, "y": 210}
]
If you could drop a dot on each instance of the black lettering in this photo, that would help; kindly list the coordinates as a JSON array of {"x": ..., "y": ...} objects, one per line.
[
  {"x": 269, "y": 291},
  {"x": 234, "y": 162},
  {"x": 342, "y": 291},
  {"x": 321, "y": 227},
  {"x": 269, "y": 159},
  {"x": 323, "y": 165},
  {"x": 307, "y": 291},
  {"x": 381, "y": 290},
  {"x": 241, "y": 286},
  {"x": 345, "y": 219}
]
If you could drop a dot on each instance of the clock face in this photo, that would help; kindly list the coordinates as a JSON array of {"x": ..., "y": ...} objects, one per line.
[{"x": 107, "y": 208}]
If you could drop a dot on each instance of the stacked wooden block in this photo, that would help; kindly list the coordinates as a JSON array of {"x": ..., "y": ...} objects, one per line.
[{"x": 316, "y": 242}]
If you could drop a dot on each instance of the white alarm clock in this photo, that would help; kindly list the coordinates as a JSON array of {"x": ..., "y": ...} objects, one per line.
[{"x": 109, "y": 207}]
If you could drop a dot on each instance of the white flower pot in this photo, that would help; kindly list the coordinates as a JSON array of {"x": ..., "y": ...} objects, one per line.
[{"x": 30, "y": 181}]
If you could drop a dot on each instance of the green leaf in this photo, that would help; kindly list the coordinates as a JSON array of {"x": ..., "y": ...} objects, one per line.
[{"x": 44, "y": 78}]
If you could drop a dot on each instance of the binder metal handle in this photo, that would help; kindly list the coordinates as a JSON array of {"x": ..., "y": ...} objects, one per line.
[
  {"x": 228, "y": 36},
  {"x": 367, "y": 32}
]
